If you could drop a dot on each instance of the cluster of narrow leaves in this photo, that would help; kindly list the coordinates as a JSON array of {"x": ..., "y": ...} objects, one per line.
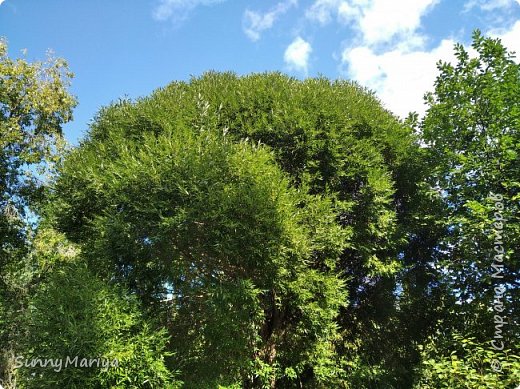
[
  {"x": 96, "y": 334},
  {"x": 180, "y": 196},
  {"x": 211, "y": 237}
]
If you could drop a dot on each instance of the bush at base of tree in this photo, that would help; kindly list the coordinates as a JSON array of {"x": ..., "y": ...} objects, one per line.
[
  {"x": 460, "y": 362},
  {"x": 75, "y": 314}
]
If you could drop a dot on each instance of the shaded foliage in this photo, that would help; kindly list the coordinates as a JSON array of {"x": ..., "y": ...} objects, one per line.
[{"x": 210, "y": 236}]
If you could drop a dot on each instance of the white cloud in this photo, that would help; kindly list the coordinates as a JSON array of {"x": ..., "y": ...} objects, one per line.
[
  {"x": 296, "y": 55},
  {"x": 322, "y": 10},
  {"x": 347, "y": 12},
  {"x": 382, "y": 19},
  {"x": 1, "y": 1},
  {"x": 178, "y": 10},
  {"x": 510, "y": 38},
  {"x": 377, "y": 21},
  {"x": 388, "y": 54},
  {"x": 400, "y": 77},
  {"x": 489, "y": 5},
  {"x": 255, "y": 22}
]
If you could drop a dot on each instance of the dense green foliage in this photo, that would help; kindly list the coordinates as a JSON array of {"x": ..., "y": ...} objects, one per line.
[
  {"x": 34, "y": 103},
  {"x": 175, "y": 215},
  {"x": 91, "y": 320},
  {"x": 467, "y": 366},
  {"x": 472, "y": 130},
  {"x": 140, "y": 189},
  {"x": 262, "y": 231}
]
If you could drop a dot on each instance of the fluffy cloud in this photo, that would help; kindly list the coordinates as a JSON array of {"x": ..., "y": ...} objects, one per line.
[
  {"x": 296, "y": 55},
  {"x": 389, "y": 54},
  {"x": 510, "y": 38},
  {"x": 178, "y": 10},
  {"x": 377, "y": 21},
  {"x": 256, "y": 22},
  {"x": 489, "y": 5},
  {"x": 323, "y": 10},
  {"x": 382, "y": 20},
  {"x": 400, "y": 77}
]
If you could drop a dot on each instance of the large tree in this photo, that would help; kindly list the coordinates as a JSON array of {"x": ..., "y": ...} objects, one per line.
[
  {"x": 471, "y": 133},
  {"x": 208, "y": 233},
  {"x": 164, "y": 193}
]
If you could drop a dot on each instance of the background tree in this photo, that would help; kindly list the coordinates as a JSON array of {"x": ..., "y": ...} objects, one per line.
[
  {"x": 34, "y": 103},
  {"x": 73, "y": 313},
  {"x": 472, "y": 134}
]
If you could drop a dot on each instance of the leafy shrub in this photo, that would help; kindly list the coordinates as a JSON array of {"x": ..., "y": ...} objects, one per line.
[
  {"x": 74, "y": 313},
  {"x": 462, "y": 362}
]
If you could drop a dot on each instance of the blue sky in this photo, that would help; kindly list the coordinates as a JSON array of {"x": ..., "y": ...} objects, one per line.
[{"x": 127, "y": 48}]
